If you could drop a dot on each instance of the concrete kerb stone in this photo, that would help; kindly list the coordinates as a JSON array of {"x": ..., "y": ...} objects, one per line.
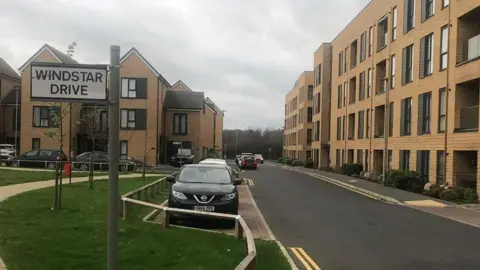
[{"x": 359, "y": 190}]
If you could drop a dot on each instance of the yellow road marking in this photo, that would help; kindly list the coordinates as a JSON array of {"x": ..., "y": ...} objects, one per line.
[
  {"x": 300, "y": 258},
  {"x": 427, "y": 203},
  {"x": 305, "y": 255}
]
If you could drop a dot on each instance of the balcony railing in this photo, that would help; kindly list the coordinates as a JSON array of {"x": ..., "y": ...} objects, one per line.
[{"x": 468, "y": 119}]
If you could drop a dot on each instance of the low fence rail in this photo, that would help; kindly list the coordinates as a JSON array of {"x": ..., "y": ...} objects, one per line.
[{"x": 242, "y": 231}]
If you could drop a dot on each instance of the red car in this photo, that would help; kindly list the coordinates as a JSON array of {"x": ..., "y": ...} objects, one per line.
[{"x": 248, "y": 162}]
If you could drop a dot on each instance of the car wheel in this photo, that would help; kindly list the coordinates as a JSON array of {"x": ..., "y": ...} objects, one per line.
[
  {"x": 83, "y": 167},
  {"x": 51, "y": 165}
]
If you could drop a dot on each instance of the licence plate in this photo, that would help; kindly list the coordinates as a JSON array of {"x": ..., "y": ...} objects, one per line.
[{"x": 204, "y": 208}]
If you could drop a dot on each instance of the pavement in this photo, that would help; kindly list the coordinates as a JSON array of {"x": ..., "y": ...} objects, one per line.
[{"x": 327, "y": 226}]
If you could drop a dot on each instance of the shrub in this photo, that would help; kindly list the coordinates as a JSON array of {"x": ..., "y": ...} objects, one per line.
[
  {"x": 434, "y": 191},
  {"x": 309, "y": 163},
  {"x": 470, "y": 195},
  {"x": 281, "y": 160},
  {"x": 289, "y": 161},
  {"x": 298, "y": 163},
  {"x": 351, "y": 169},
  {"x": 449, "y": 194},
  {"x": 405, "y": 180}
]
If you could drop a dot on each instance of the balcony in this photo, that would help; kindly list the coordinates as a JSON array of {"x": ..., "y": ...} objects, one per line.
[
  {"x": 379, "y": 121},
  {"x": 466, "y": 106},
  {"x": 381, "y": 78},
  {"x": 468, "y": 40},
  {"x": 351, "y": 126}
]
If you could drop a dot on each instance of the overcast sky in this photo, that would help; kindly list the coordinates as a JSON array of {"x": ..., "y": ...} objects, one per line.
[{"x": 244, "y": 54}]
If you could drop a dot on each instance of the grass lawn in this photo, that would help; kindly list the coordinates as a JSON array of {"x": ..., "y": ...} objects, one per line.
[
  {"x": 34, "y": 237},
  {"x": 13, "y": 177}
]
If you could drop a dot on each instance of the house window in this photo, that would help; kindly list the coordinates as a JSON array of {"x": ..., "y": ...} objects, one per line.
[
  {"x": 180, "y": 124},
  {"x": 424, "y": 113},
  {"x": 406, "y": 117},
  {"x": 404, "y": 160},
  {"x": 361, "y": 120},
  {"x": 101, "y": 121},
  {"x": 367, "y": 126},
  {"x": 445, "y": 3},
  {"x": 128, "y": 119},
  {"x": 310, "y": 92},
  {"x": 340, "y": 63},
  {"x": 440, "y": 167},
  {"x": 339, "y": 130},
  {"x": 16, "y": 118},
  {"x": 361, "y": 86},
  {"x": 123, "y": 149},
  {"x": 318, "y": 99},
  {"x": 44, "y": 116},
  {"x": 407, "y": 65},
  {"x": 340, "y": 96},
  {"x": 370, "y": 41},
  {"x": 428, "y": 9},
  {"x": 382, "y": 33},
  {"x": 35, "y": 143},
  {"x": 337, "y": 158},
  {"x": 392, "y": 71},
  {"x": 309, "y": 114},
  {"x": 133, "y": 119},
  {"x": 426, "y": 56},
  {"x": 442, "y": 110},
  {"x": 444, "y": 48},
  {"x": 369, "y": 82},
  {"x": 134, "y": 88},
  {"x": 409, "y": 16},
  {"x": 423, "y": 164},
  {"x": 394, "y": 23},
  {"x": 359, "y": 156},
  {"x": 363, "y": 46},
  {"x": 390, "y": 119}
]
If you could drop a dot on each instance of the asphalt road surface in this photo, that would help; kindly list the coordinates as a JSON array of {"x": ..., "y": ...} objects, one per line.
[{"x": 340, "y": 229}]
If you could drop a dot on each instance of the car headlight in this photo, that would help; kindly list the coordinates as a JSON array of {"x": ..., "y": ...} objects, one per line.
[
  {"x": 229, "y": 197},
  {"x": 179, "y": 195}
]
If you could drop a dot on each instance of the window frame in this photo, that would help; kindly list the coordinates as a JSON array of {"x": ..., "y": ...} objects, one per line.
[
  {"x": 370, "y": 41},
  {"x": 393, "y": 62},
  {"x": 123, "y": 142},
  {"x": 429, "y": 7},
  {"x": 445, "y": 3},
  {"x": 442, "y": 116},
  {"x": 129, "y": 89},
  {"x": 429, "y": 54},
  {"x": 34, "y": 141},
  {"x": 409, "y": 63},
  {"x": 128, "y": 123},
  {"x": 410, "y": 16},
  {"x": 391, "y": 112},
  {"x": 182, "y": 124},
  {"x": 382, "y": 25},
  {"x": 394, "y": 23},
  {"x": 47, "y": 118},
  {"x": 440, "y": 167},
  {"x": 407, "y": 117},
  {"x": 369, "y": 82},
  {"x": 427, "y": 112},
  {"x": 405, "y": 155},
  {"x": 444, "y": 47}
]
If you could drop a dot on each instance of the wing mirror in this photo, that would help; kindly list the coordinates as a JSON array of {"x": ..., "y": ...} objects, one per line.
[
  {"x": 170, "y": 178},
  {"x": 238, "y": 182}
]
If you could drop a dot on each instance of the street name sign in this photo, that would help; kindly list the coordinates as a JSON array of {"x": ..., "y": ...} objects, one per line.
[{"x": 68, "y": 82}]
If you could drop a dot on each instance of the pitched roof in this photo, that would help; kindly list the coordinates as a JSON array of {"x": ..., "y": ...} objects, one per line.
[
  {"x": 60, "y": 56},
  {"x": 7, "y": 70},
  {"x": 212, "y": 105},
  {"x": 133, "y": 50},
  {"x": 184, "y": 100},
  {"x": 179, "y": 82},
  {"x": 11, "y": 98}
]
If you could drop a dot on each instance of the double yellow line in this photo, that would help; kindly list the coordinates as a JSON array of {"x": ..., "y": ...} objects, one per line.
[
  {"x": 249, "y": 182},
  {"x": 303, "y": 257}
]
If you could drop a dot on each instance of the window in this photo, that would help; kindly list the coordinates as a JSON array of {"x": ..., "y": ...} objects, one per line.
[
  {"x": 382, "y": 33},
  {"x": 134, "y": 88},
  {"x": 404, "y": 160},
  {"x": 440, "y": 167},
  {"x": 318, "y": 99},
  {"x": 394, "y": 23},
  {"x": 318, "y": 75},
  {"x": 353, "y": 54},
  {"x": 406, "y": 117},
  {"x": 133, "y": 119},
  {"x": 309, "y": 114},
  {"x": 16, "y": 123},
  {"x": 363, "y": 46},
  {"x": 123, "y": 149},
  {"x": 35, "y": 144},
  {"x": 370, "y": 41},
  {"x": 424, "y": 113},
  {"x": 101, "y": 121},
  {"x": 369, "y": 82},
  {"x": 180, "y": 124},
  {"x": 367, "y": 134},
  {"x": 366, "y": 160},
  {"x": 444, "y": 48},
  {"x": 390, "y": 159},
  {"x": 359, "y": 156},
  {"x": 445, "y": 3},
  {"x": 340, "y": 63},
  {"x": 340, "y": 96},
  {"x": 392, "y": 71},
  {"x": 390, "y": 119},
  {"x": 442, "y": 110},
  {"x": 345, "y": 60},
  {"x": 426, "y": 56},
  {"x": 361, "y": 120},
  {"x": 407, "y": 65},
  {"x": 428, "y": 9},
  {"x": 344, "y": 123},
  {"x": 423, "y": 164},
  {"x": 309, "y": 136},
  {"x": 44, "y": 116},
  {"x": 339, "y": 126},
  {"x": 408, "y": 16},
  {"x": 310, "y": 92},
  {"x": 317, "y": 131},
  {"x": 361, "y": 86},
  {"x": 337, "y": 158}
]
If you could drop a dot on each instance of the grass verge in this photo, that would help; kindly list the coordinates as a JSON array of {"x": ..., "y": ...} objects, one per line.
[
  {"x": 34, "y": 237},
  {"x": 13, "y": 177}
]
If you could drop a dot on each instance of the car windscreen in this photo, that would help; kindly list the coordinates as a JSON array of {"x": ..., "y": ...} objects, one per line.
[{"x": 210, "y": 175}]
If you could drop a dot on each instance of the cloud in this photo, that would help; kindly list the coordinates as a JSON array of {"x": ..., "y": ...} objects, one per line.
[{"x": 244, "y": 54}]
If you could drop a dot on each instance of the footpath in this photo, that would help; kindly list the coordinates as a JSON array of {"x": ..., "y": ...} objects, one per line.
[{"x": 468, "y": 214}]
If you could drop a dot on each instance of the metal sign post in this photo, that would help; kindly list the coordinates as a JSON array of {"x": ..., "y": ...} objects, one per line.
[{"x": 113, "y": 147}]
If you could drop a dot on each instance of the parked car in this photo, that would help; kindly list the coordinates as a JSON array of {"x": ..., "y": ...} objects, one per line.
[
  {"x": 247, "y": 162},
  {"x": 101, "y": 161},
  {"x": 259, "y": 158},
  {"x": 181, "y": 159},
  {"x": 41, "y": 158},
  {"x": 203, "y": 187},
  {"x": 218, "y": 161},
  {"x": 7, "y": 151}
]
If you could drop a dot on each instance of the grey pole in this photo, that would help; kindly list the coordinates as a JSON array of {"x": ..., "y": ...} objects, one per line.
[{"x": 113, "y": 145}]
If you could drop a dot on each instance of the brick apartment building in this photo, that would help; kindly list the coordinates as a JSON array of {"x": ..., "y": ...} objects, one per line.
[
  {"x": 9, "y": 95},
  {"x": 145, "y": 122},
  {"x": 405, "y": 90},
  {"x": 298, "y": 118}
]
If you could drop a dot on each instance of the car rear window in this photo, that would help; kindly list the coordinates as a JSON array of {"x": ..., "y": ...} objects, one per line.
[{"x": 249, "y": 158}]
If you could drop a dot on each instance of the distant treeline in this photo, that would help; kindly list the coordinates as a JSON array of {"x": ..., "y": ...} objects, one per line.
[{"x": 256, "y": 141}]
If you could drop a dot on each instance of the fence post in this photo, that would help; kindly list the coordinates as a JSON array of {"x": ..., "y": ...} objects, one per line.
[
  {"x": 166, "y": 220},
  {"x": 238, "y": 229}
]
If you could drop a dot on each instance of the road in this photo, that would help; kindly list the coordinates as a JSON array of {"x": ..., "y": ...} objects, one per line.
[{"x": 340, "y": 229}]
